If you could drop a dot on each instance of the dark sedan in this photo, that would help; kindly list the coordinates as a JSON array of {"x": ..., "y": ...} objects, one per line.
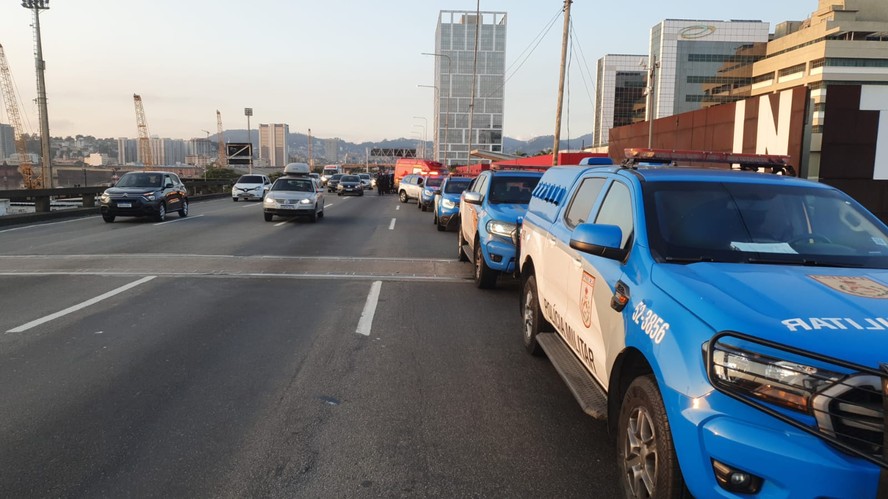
[
  {"x": 140, "y": 194},
  {"x": 350, "y": 184},
  {"x": 333, "y": 181}
]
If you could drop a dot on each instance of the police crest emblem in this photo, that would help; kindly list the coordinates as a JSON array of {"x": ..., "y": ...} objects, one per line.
[
  {"x": 586, "y": 288},
  {"x": 857, "y": 286}
]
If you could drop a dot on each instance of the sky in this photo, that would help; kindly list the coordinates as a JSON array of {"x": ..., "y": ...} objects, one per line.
[{"x": 344, "y": 68}]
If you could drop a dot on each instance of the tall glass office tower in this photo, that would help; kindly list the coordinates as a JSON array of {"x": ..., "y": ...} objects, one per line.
[{"x": 454, "y": 68}]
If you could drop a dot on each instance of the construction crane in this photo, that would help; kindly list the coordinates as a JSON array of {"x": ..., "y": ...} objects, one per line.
[
  {"x": 26, "y": 168},
  {"x": 144, "y": 137},
  {"x": 223, "y": 154}
]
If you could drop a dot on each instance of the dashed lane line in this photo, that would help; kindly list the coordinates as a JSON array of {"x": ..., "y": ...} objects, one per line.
[
  {"x": 392, "y": 225},
  {"x": 87, "y": 303},
  {"x": 46, "y": 224},
  {"x": 365, "y": 324},
  {"x": 181, "y": 219}
]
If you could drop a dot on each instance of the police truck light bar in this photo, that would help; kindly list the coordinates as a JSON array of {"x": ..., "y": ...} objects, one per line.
[{"x": 776, "y": 163}]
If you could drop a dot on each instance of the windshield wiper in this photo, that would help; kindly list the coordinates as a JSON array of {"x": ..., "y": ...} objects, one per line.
[
  {"x": 803, "y": 262},
  {"x": 692, "y": 259}
]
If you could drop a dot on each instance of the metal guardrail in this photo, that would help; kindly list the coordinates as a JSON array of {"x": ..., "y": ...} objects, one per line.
[{"x": 42, "y": 199}]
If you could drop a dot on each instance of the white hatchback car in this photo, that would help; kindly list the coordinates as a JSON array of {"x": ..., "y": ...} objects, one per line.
[{"x": 250, "y": 186}]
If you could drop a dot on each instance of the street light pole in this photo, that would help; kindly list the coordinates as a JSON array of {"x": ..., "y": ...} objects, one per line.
[
  {"x": 436, "y": 146},
  {"x": 424, "y": 132},
  {"x": 46, "y": 171},
  {"x": 438, "y": 107}
]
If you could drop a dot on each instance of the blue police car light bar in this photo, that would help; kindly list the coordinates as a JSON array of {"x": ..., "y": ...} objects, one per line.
[{"x": 669, "y": 155}]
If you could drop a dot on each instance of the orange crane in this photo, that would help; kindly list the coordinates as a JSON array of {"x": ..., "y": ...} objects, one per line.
[
  {"x": 26, "y": 168},
  {"x": 144, "y": 137},
  {"x": 223, "y": 154}
]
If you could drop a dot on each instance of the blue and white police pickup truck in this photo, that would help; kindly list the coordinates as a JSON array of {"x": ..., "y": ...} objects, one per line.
[{"x": 731, "y": 326}]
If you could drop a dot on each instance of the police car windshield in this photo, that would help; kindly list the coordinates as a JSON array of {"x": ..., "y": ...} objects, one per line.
[
  {"x": 434, "y": 181},
  {"x": 456, "y": 186},
  {"x": 761, "y": 223},
  {"x": 512, "y": 190},
  {"x": 140, "y": 180}
]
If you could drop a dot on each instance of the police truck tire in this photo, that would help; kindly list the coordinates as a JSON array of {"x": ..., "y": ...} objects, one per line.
[
  {"x": 534, "y": 323},
  {"x": 485, "y": 277},
  {"x": 645, "y": 451}
]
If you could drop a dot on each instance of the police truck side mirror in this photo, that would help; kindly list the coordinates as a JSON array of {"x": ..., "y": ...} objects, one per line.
[
  {"x": 473, "y": 197},
  {"x": 598, "y": 239}
]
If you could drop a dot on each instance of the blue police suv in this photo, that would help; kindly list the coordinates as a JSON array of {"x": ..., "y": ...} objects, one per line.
[
  {"x": 731, "y": 327},
  {"x": 489, "y": 211},
  {"x": 446, "y": 205}
]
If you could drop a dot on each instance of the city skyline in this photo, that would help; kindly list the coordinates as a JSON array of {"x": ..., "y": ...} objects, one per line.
[{"x": 343, "y": 70}]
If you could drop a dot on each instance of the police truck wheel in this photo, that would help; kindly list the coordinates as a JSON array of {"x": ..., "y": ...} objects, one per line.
[
  {"x": 645, "y": 452},
  {"x": 461, "y": 243},
  {"x": 485, "y": 277},
  {"x": 534, "y": 323}
]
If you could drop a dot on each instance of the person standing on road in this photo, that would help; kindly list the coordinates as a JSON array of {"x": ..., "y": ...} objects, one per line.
[{"x": 380, "y": 185}]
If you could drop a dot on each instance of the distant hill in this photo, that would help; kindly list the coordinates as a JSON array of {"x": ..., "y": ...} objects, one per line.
[{"x": 352, "y": 152}]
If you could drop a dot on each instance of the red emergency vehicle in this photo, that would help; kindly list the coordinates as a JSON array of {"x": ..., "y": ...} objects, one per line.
[{"x": 406, "y": 166}]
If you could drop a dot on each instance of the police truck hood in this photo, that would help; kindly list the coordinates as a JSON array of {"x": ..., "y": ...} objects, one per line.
[
  {"x": 838, "y": 312},
  {"x": 506, "y": 212}
]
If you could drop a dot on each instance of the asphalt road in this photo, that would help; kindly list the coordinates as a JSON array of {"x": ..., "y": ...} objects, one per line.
[{"x": 221, "y": 355}]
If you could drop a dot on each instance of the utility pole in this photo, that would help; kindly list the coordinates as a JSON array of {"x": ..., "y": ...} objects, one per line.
[
  {"x": 474, "y": 78},
  {"x": 248, "y": 111},
  {"x": 310, "y": 154},
  {"x": 46, "y": 171},
  {"x": 652, "y": 73},
  {"x": 564, "y": 38}
]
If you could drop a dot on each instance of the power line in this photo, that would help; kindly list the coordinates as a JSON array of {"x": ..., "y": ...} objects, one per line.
[{"x": 532, "y": 47}]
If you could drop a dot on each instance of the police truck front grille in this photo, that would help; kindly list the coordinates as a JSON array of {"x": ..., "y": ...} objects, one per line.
[{"x": 853, "y": 412}]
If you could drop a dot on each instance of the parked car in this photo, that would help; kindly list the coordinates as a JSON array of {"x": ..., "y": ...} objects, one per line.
[
  {"x": 350, "y": 184},
  {"x": 145, "y": 193},
  {"x": 410, "y": 187},
  {"x": 729, "y": 325},
  {"x": 430, "y": 188},
  {"x": 367, "y": 180},
  {"x": 489, "y": 213},
  {"x": 333, "y": 181},
  {"x": 250, "y": 187},
  {"x": 446, "y": 204},
  {"x": 292, "y": 196}
]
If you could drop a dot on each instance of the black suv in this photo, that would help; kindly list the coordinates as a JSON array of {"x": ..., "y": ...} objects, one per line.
[{"x": 139, "y": 194}]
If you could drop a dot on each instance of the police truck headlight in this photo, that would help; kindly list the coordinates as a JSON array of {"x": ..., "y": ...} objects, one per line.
[
  {"x": 305, "y": 201},
  {"x": 767, "y": 378},
  {"x": 448, "y": 204},
  {"x": 503, "y": 229}
]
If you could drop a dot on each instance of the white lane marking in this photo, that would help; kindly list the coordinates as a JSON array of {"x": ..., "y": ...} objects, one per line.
[
  {"x": 366, "y": 321},
  {"x": 328, "y": 205},
  {"x": 392, "y": 225},
  {"x": 46, "y": 224},
  {"x": 250, "y": 275},
  {"x": 180, "y": 219},
  {"x": 92, "y": 301},
  {"x": 129, "y": 256},
  {"x": 398, "y": 207},
  {"x": 252, "y": 204},
  {"x": 282, "y": 223}
]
